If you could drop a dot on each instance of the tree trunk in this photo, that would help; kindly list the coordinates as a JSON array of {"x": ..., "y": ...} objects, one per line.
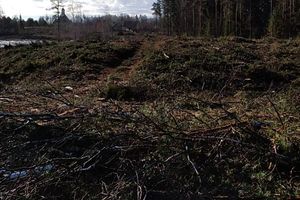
[
  {"x": 236, "y": 18},
  {"x": 250, "y": 19},
  {"x": 216, "y": 18},
  {"x": 200, "y": 17}
]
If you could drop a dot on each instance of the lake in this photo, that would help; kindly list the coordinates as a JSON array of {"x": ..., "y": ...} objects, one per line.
[{"x": 18, "y": 42}]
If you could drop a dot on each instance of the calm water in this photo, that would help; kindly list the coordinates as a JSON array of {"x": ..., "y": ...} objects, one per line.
[{"x": 14, "y": 43}]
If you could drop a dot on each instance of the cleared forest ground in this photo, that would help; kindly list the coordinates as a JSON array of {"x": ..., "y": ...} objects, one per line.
[{"x": 151, "y": 118}]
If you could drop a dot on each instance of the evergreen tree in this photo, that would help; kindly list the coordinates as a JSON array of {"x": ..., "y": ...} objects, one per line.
[
  {"x": 247, "y": 18},
  {"x": 157, "y": 10}
]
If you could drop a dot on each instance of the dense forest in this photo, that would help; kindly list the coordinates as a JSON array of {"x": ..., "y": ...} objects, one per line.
[{"x": 247, "y": 18}]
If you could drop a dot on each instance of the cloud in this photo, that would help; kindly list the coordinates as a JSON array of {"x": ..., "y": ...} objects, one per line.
[
  {"x": 132, "y": 7},
  {"x": 35, "y": 8}
]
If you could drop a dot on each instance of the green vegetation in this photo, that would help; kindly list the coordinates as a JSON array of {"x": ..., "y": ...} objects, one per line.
[{"x": 210, "y": 64}]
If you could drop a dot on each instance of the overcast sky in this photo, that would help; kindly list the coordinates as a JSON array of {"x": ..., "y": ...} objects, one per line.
[{"x": 36, "y": 8}]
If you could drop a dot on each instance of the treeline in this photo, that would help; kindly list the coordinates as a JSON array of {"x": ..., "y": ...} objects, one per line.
[
  {"x": 78, "y": 26},
  {"x": 8, "y": 26},
  {"x": 107, "y": 26},
  {"x": 16, "y": 25},
  {"x": 246, "y": 18}
]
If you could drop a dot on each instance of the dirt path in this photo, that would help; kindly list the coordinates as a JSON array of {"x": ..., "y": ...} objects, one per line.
[{"x": 122, "y": 75}]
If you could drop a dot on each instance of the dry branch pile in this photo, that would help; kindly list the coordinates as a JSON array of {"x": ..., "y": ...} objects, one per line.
[{"x": 112, "y": 153}]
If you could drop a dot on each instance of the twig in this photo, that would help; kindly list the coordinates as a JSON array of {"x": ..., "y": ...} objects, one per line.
[
  {"x": 68, "y": 102},
  {"x": 173, "y": 156},
  {"x": 218, "y": 129},
  {"x": 277, "y": 112},
  {"x": 34, "y": 116},
  {"x": 192, "y": 164}
]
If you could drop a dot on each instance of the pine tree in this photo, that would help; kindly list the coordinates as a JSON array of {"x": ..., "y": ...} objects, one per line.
[
  {"x": 247, "y": 18},
  {"x": 157, "y": 11}
]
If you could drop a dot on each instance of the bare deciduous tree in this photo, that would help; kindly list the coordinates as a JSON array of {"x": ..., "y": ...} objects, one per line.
[{"x": 74, "y": 8}]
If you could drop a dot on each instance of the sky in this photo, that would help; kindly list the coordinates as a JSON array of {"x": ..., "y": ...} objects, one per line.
[{"x": 36, "y": 8}]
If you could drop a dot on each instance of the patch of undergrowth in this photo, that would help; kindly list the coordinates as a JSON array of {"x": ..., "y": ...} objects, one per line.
[
  {"x": 68, "y": 60},
  {"x": 206, "y": 64},
  {"x": 125, "y": 93}
]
